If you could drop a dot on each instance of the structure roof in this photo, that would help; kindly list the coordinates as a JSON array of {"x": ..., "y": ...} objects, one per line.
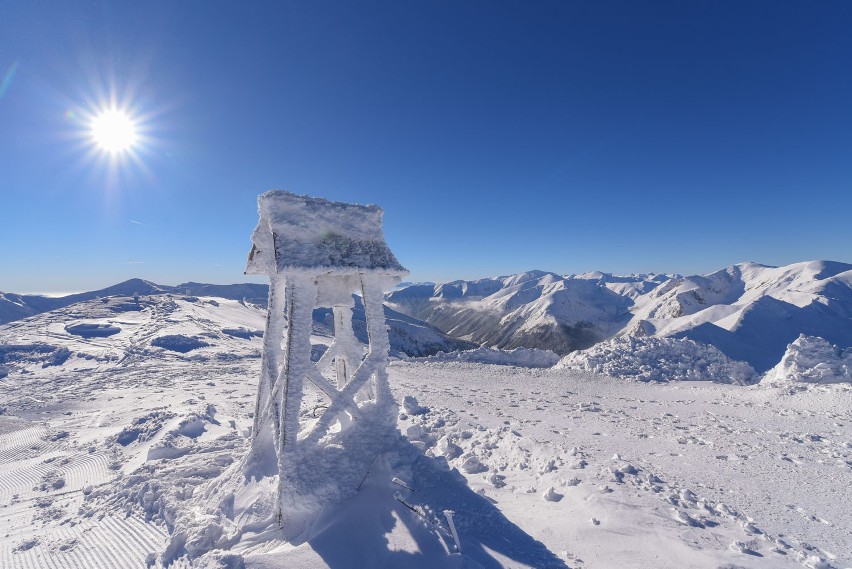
[{"x": 301, "y": 234}]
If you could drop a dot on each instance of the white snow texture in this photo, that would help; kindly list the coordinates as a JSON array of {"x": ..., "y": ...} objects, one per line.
[
  {"x": 659, "y": 359},
  {"x": 812, "y": 360}
]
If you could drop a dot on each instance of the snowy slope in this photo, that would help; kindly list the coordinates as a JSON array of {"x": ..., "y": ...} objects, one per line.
[
  {"x": 748, "y": 311},
  {"x": 408, "y": 336},
  {"x": 16, "y": 306}
]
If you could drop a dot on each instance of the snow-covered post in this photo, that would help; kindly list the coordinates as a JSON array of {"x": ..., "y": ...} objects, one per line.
[
  {"x": 348, "y": 352},
  {"x": 449, "y": 515},
  {"x": 377, "y": 332},
  {"x": 318, "y": 253},
  {"x": 270, "y": 364}
]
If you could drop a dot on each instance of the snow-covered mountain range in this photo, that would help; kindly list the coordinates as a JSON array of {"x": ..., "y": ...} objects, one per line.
[
  {"x": 750, "y": 312},
  {"x": 16, "y": 306}
]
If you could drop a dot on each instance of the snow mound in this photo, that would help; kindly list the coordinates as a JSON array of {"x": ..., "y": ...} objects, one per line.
[
  {"x": 519, "y": 357},
  {"x": 143, "y": 428},
  {"x": 91, "y": 330},
  {"x": 243, "y": 333},
  {"x": 45, "y": 354},
  {"x": 811, "y": 359},
  {"x": 412, "y": 407},
  {"x": 178, "y": 343},
  {"x": 659, "y": 359}
]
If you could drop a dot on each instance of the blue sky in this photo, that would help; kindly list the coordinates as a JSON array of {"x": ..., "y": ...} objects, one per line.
[{"x": 498, "y": 136}]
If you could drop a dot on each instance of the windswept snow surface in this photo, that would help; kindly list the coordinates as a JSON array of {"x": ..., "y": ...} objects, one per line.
[
  {"x": 521, "y": 357},
  {"x": 659, "y": 359},
  {"x": 812, "y": 360},
  {"x": 101, "y": 450},
  {"x": 629, "y": 474}
]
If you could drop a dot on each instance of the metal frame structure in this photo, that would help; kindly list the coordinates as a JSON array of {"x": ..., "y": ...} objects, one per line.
[{"x": 317, "y": 253}]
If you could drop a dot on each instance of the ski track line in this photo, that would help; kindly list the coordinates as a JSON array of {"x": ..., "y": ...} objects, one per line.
[
  {"x": 86, "y": 469},
  {"x": 23, "y": 480},
  {"x": 82, "y": 470},
  {"x": 109, "y": 543},
  {"x": 13, "y": 445},
  {"x": 18, "y": 520}
]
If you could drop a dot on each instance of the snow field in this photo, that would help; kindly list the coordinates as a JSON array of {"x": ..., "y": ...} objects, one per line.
[
  {"x": 542, "y": 467},
  {"x": 686, "y": 469},
  {"x": 110, "y": 542}
]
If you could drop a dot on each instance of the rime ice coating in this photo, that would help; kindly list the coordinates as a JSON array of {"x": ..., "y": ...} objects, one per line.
[{"x": 301, "y": 234}]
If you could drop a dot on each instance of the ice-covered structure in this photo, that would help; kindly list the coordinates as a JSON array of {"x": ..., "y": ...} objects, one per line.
[{"x": 317, "y": 253}]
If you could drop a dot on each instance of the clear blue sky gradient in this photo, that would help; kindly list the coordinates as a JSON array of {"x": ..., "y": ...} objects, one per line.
[{"x": 498, "y": 136}]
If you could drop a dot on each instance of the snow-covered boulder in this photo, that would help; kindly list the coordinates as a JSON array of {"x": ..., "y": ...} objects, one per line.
[
  {"x": 659, "y": 359},
  {"x": 810, "y": 359}
]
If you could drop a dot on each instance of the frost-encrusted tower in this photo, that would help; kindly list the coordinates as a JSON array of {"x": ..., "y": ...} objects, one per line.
[{"x": 317, "y": 253}]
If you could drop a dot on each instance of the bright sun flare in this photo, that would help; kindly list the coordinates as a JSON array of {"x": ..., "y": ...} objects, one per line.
[{"x": 114, "y": 131}]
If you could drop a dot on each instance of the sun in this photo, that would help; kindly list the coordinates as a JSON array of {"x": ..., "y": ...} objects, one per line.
[{"x": 114, "y": 131}]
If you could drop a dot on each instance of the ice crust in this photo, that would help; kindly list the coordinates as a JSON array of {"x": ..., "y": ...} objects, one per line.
[
  {"x": 90, "y": 330},
  {"x": 659, "y": 359}
]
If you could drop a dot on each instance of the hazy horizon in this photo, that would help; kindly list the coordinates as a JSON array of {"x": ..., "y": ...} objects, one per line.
[{"x": 249, "y": 279}]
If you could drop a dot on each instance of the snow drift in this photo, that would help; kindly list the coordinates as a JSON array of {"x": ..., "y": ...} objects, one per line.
[
  {"x": 659, "y": 359},
  {"x": 810, "y": 359}
]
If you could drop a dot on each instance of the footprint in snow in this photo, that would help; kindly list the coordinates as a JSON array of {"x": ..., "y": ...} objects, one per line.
[{"x": 686, "y": 519}]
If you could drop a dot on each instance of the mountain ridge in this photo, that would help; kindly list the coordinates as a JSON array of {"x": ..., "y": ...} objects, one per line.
[{"x": 749, "y": 311}]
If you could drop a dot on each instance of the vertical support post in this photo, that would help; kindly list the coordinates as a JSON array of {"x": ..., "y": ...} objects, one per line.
[
  {"x": 377, "y": 332},
  {"x": 348, "y": 354},
  {"x": 302, "y": 297},
  {"x": 269, "y": 367}
]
